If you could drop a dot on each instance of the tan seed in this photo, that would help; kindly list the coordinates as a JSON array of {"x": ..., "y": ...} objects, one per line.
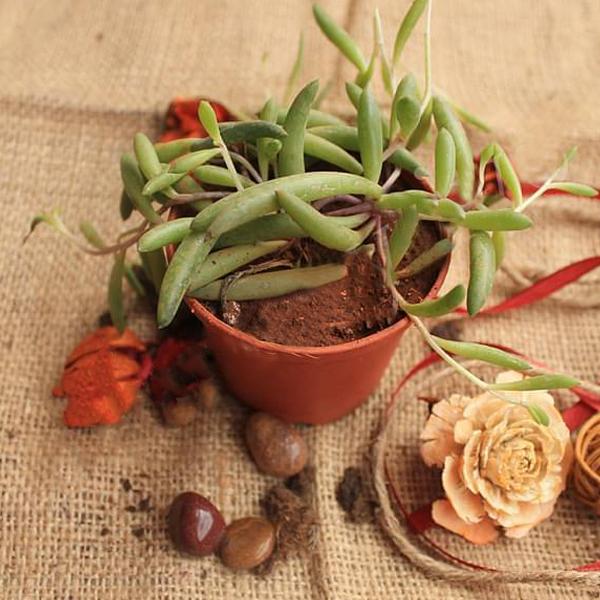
[
  {"x": 207, "y": 394},
  {"x": 180, "y": 412},
  {"x": 247, "y": 543}
]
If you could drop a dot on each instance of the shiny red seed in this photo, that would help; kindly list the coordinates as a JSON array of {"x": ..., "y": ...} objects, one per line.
[{"x": 195, "y": 524}]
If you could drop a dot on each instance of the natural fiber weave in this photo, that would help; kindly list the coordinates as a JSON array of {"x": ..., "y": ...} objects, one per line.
[
  {"x": 586, "y": 471},
  {"x": 78, "y": 79}
]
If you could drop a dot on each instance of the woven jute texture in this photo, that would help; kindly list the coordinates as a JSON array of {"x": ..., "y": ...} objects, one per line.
[{"x": 77, "y": 79}]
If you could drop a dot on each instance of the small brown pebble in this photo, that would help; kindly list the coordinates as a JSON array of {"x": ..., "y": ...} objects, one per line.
[
  {"x": 276, "y": 447},
  {"x": 206, "y": 394},
  {"x": 247, "y": 543},
  {"x": 195, "y": 524},
  {"x": 180, "y": 412}
]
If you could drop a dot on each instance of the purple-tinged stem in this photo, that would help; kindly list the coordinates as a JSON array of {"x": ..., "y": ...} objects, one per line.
[
  {"x": 366, "y": 206},
  {"x": 379, "y": 244},
  {"x": 389, "y": 182},
  {"x": 319, "y": 204}
]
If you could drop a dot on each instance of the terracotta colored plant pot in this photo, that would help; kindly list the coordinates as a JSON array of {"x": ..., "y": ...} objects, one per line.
[
  {"x": 302, "y": 384},
  {"x": 299, "y": 384}
]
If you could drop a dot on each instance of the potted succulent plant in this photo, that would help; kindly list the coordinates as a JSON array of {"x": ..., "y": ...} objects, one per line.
[{"x": 307, "y": 244}]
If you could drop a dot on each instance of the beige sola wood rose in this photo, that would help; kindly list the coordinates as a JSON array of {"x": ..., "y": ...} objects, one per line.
[{"x": 501, "y": 468}]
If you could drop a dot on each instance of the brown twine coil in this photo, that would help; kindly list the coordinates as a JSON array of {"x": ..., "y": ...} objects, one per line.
[
  {"x": 415, "y": 549},
  {"x": 586, "y": 471}
]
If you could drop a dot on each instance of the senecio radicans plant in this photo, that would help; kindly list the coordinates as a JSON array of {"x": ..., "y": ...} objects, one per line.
[{"x": 261, "y": 200}]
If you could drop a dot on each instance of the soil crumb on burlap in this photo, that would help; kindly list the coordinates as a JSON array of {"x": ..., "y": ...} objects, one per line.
[
  {"x": 342, "y": 311},
  {"x": 289, "y": 508},
  {"x": 354, "y": 496}
]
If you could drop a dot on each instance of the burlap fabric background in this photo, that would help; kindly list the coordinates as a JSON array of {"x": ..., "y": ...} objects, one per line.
[{"x": 77, "y": 79}]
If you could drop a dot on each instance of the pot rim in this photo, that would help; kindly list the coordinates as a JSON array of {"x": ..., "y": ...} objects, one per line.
[{"x": 201, "y": 312}]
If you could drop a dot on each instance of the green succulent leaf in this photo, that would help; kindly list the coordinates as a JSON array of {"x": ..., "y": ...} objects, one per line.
[
  {"x": 438, "y": 307},
  {"x": 538, "y": 414},
  {"x": 115, "y": 293},
  {"x": 577, "y": 189},
  {"x": 208, "y": 118},
  {"x": 408, "y": 113},
  {"x": 483, "y": 353},
  {"x": 340, "y": 38},
  {"x": 539, "y": 382},
  {"x": 406, "y": 28}
]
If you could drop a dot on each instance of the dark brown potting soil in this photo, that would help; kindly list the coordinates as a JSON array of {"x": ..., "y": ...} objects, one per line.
[{"x": 342, "y": 311}]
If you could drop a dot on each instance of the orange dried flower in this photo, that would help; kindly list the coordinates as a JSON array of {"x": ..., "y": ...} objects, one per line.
[{"x": 102, "y": 376}]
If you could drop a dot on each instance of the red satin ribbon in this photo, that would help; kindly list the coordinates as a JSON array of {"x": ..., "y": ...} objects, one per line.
[
  {"x": 543, "y": 288},
  {"x": 530, "y": 188}
]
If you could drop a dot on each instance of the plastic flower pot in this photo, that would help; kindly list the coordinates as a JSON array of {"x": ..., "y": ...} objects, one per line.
[
  {"x": 304, "y": 384},
  {"x": 297, "y": 383}
]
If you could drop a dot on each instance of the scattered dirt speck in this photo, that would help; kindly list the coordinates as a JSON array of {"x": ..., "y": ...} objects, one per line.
[
  {"x": 451, "y": 330},
  {"x": 289, "y": 507},
  {"x": 126, "y": 485},
  {"x": 302, "y": 483},
  {"x": 296, "y": 524},
  {"x": 353, "y": 495},
  {"x": 144, "y": 505}
]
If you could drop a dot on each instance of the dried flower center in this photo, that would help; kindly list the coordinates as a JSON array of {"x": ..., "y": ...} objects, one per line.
[{"x": 510, "y": 463}]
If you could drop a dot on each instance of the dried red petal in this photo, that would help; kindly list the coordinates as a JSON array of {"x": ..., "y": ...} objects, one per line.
[
  {"x": 181, "y": 120},
  {"x": 544, "y": 287},
  {"x": 493, "y": 183},
  {"x": 421, "y": 520},
  {"x": 168, "y": 351},
  {"x": 179, "y": 367},
  {"x": 170, "y": 135}
]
